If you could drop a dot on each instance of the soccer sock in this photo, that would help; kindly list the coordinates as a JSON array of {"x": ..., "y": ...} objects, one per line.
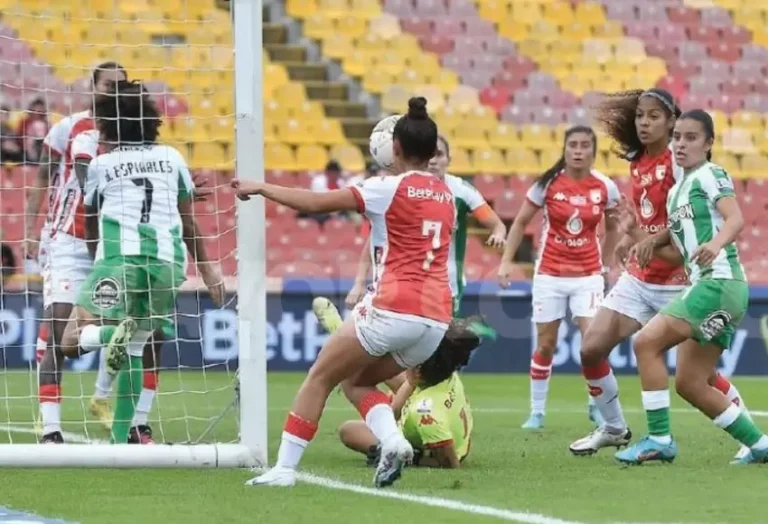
[
  {"x": 541, "y": 371},
  {"x": 129, "y": 384},
  {"x": 604, "y": 390},
  {"x": 656, "y": 406},
  {"x": 144, "y": 405},
  {"x": 376, "y": 410},
  {"x": 93, "y": 337},
  {"x": 42, "y": 345},
  {"x": 739, "y": 426},
  {"x": 297, "y": 434},
  {"x": 103, "y": 378},
  {"x": 50, "y": 407},
  {"x": 728, "y": 388}
]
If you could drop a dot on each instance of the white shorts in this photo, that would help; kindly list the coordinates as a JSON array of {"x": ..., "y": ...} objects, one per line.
[
  {"x": 635, "y": 299},
  {"x": 408, "y": 340},
  {"x": 67, "y": 266},
  {"x": 554, "y": 296},
  {"x": 42, "y": 252}
]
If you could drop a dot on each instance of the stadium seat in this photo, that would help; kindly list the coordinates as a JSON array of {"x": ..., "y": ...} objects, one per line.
[
  {"x": 348, "y": 156},
  {"x": 311, "y": 157},
  {"x": 469, "y": 137},
  {"x": 754, "y": 166},
  {"x": 486, "y": 160},
  {"x": 279, "y": 156},
  {"x": 460, "y": 162}
]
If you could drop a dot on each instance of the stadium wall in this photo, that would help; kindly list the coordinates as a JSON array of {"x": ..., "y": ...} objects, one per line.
[{"x": 207, "y": 336}]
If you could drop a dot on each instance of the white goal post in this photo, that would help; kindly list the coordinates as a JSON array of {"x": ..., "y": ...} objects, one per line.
[{"x": 247, "y": 446}]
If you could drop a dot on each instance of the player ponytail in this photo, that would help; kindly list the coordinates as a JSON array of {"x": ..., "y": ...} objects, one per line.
[
  {"x": 615, "y": 114},
  {"x": 706, "y": 122},
  {"x": 126, "y": 115},
  {"x": 416, "y": 132},
  {"x": 553, "y": 171},
  {"x": 464, "y": 335}
]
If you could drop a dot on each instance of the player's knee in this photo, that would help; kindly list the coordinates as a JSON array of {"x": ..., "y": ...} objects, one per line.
[
  {"x": 344, "y": 431},
  {"x": 592, "y": 351},
  {"x": 643, "y": 345}
]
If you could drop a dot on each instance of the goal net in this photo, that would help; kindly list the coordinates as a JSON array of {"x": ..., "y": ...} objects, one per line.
[{"x": 183, "y": 50}]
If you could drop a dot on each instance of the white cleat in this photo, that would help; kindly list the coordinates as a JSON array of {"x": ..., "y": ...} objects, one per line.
[
  {"x": 395, "y": 454},
  {"x": 598, "y": 439},
  {"x": 743, "y": 452},
  {"x": 283, "y": 477}
]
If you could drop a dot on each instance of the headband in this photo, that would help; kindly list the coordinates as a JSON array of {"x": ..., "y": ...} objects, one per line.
[{"x": 669, "y": 105}]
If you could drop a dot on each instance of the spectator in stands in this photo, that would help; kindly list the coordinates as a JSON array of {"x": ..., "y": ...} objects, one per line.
[
  {"x": 10, "y": 145},
  {"x": 32, "y": 130},
  {"x": 331, "y": 179}
]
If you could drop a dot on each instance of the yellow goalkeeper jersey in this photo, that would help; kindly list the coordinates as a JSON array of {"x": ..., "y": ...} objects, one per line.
[{"x": 438, "y": 416}]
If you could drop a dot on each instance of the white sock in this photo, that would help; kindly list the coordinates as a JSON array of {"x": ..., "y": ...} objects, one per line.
[
  {"x": 143, "y": 407},
  {"x": 51, "y": 414},
  {"x": 90, "y": 338},
  {"x": 727, "y": 417},
  {"x": 290, "y": 452},
  {"x": 103, "y": 379},
  {"x": 380, "y": 419},
  {"x": 761, "y": 444},
  {"x": 653, "y": 401},
  {"x": 541, "y": 372},
  {"x": 604, "y": 392}
]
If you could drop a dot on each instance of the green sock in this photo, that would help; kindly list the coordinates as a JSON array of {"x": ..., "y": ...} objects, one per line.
[
  {"x": 744, "y": 430},
  {"x": 130, "y": 380},
  {"x": 105, "y": 333},
  {"x": 658, "y": 422}
]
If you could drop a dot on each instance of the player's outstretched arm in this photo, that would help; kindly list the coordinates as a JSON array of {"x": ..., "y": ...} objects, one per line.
[
  {"x": 489, "y": 219},
  {"x": 196, "y": 247},
  {"x": 302, "y": 200},
  {"x": 515, "y": 236}
]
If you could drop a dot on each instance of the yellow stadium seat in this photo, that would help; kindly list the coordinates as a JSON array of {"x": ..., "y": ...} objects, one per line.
[
  {"x": 310, "y": 111},
  {"x": 318, "y": 26},
  {"x": 333, "y": 8},
  {"x": 469, "y": 137},
  {"x": 730, "y": 163},
  {"x": 460, "y": 162},
  {"x": 447, "y": 119},
  {"x": 636, "y": 81},
  {"x": 202, "y": 107},
  {"x": 426, "y": 63},
  {"x": 607, "y": 83},
  {"x": 534, "y": 48},
  {"x": 753, "y": 166},
  {"x": 515, "y": 30},
  {"x": 311, "y": 157},
  {"x": 376, "y": 81},
  {"x": 371, "y": 43},
  {"x": 559, "y": 13},
  {"x": 395, "y": 99},
  {"x": 616, "y": 166},
  {"x": 209, "y": 155},
  {"x": 528, "y": 13},
  {"x": 222, "y": 129},
  {"x": 631, "y": 50},
  {"x": 270, "y": 136},
  {"x": 610, "y": 29},
  {"x": 358, "y": 63},
  {"x": 349, "y": 156},
  {"x": 190, "y": 130},
  {"x": 564, "y": 50},
  {"x": 433, "y": 94},
  {"x": 738, "y": 140},
  {"x": 329, "y": 132},
  {"x": 546, "y": 31},
  {"x": 483, "y": 117},
  {"x": 404, "y": 43},
  {"x": 747, "y": 120},
  {"x": 536, "y": 136},
  {"x": 494, "y": 10},
  {"x": 301, "y": 8},
  {"x": 338, "y": 46},
  {"x": 276, "y": 112},
  {"x": 446, "y": 80},
  {"x": 652, "y": 67},
  {"x": 351, "y": 25},
  {"x": 385, "y": 26},
  {"x": 751, "y": 17},
  {"x": 295, "y": 132},
  {"x": 596, "y": 51},
  {"x": 505, "y": 136},
  {"x": 576, "y": 83},
  {"x": 589, "y": 13},
  {"x": 576, "y": 32},
  {"x": 761, "y": 141},
  {"x": 549, "y": 157},
  {"x": 522, "y": 160},
  {"x": 390, "y": 62},
  {"x": 488, "y": 161},
  {"x": 601, "y": 162},
  {"x": 291, "y": 93},
  {"x": 720, "y": 119},
  {"x": 368, "y": 9},
  {"x": 464, "y": 99},
  {"x": 618, "y": 68},
  {"x": 279, "y": 156},
  {"x": 411, "y": 78}
]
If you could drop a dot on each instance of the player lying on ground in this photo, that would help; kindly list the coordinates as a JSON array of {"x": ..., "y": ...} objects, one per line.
[
  {"x": 572, "y": 261},
  {"x": 139, "y": 225},
  {"x": 704, "y": 221},
  {"x": 430, "y": 405},
  {"x": 641, "y": 122},
  {"x": 401, "y": 323}
]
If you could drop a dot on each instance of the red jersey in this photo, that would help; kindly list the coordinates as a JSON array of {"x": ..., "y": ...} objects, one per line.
[
  {"x": 652, "y": 178},
  {"x": 573, "y": 210},
  {"x": 412, "y": 217},
  {"x": 68, "y": 209}
]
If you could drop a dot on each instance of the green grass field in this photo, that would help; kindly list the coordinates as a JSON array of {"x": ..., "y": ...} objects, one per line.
[{"x": 507, "y": 469}]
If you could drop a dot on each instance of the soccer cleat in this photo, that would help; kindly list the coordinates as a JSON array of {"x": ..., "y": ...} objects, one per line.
[
  {"x": 373, "y": 456},
  {"x": 116, "y": 348},
  {"x": 54, "y": 437},
  {"x": 647, "y": 450},
  {"x": 535, "y": 421},
  {"x": 284, "y": 477},
  {"x": 752, "y": 456},
  {"x": 599, "y": 439},
  {"x": 395, "y": 454},
  {"x": 595, "y": 416},
  {"x": 102, "y": 410},
  {"x": 140, "y": 435},
  {"x": 327, "y": 314}
]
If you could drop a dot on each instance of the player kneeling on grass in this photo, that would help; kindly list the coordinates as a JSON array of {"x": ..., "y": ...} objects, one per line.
[{"x": 138, "y": 199}]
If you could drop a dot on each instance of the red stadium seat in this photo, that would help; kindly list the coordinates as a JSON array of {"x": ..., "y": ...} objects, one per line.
[
  {"x": 490, "y": 186},
  {"x": 519, "y": 65},
  {"x": 692, "y": 51},
  {"x": 469, "y": 45},
  {"x": 671, "y": 33},
  {"x": 705, "y": 34},
  {"x": 496, "y": 97},
  {"x": 479, "y": 27},
  {"x": 683, "y": 15},
  {"x": 499, "y": 45},
  {"x": 725, "y": 51},
  {"x": 436, "y": 43},
  {"x": 448, "y": 26},
  {"x": 726, "y": 103},
  {"x": 487, "y": 62},
  {"x": 508, "y": 80},
  {"x": 507, "y": 204},
  {"x": 431, "y": 8},
  {"x": 737, "y": 87},
  {"x": 715, "y": 17},
  {"x": 675, "y": 84},
  {"x": 477, "y": 79},
  {"x": 417, "y": 26},
  {"x": 703, "y": 85},
  {"x": 736, "y": 35},
  {"x": 646, "y": 31}
]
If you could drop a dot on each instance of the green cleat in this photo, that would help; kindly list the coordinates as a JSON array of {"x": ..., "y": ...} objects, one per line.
[{"x": 117, "y": 347}]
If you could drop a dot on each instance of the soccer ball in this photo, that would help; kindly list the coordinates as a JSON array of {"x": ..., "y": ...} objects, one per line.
[{"x": 380, "y": 142}]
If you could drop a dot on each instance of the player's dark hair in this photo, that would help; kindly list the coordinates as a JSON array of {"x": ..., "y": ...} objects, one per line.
[
  {"x": 552, "y": 172},
  {"x": 416, "y": 132},
  {"x": 615, "y": 114},
  {"x": 127, "y": 115},
  {"x": 706, "y": 122},
  {"x": 106, "y": 66},
  {"x": 446, "y": 145},
  {"x": 453, "y": 353}
]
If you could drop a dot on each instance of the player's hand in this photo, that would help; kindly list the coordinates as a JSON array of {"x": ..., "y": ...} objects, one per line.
[
  {"x": 705, "y": 254},
  {"x": 643, "y": 251},
  {"x": 621, "y": 252},
  {"x": 31, "y": 248},
  {"x": 626, "y": 216},
  {"x": 497, "y": 240},
  {"x": 245, "y": 189},
  {"x": 355, "y": 295},
  {"x": 202, "y": 190},
  {"x": 214, "y": 282},
  {"x": 505, "y": 270}
]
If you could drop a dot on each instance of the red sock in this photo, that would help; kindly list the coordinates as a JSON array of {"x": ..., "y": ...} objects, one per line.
[
  {"x": 372, "y": 399},
  {"x": 595, "y": 373},
  {"x": 721, "y": 384},
  {"x": 151, "y": 377},
  {"x": 541, "y": 367},
  {"x": 299, "y": 427},
  {"x": 49, "y": 393}
]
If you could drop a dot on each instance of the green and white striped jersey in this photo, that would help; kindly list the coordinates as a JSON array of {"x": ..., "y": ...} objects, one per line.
[
  {"x": 137, "y": 191},
  {"x": 467, "y": 199},
  {"x": 694, "y": 220}
]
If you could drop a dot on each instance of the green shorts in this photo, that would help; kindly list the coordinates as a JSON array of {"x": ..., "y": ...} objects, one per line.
[
  {"x": 139, "y": 287},
  {"x": 713, "y": 308}
]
